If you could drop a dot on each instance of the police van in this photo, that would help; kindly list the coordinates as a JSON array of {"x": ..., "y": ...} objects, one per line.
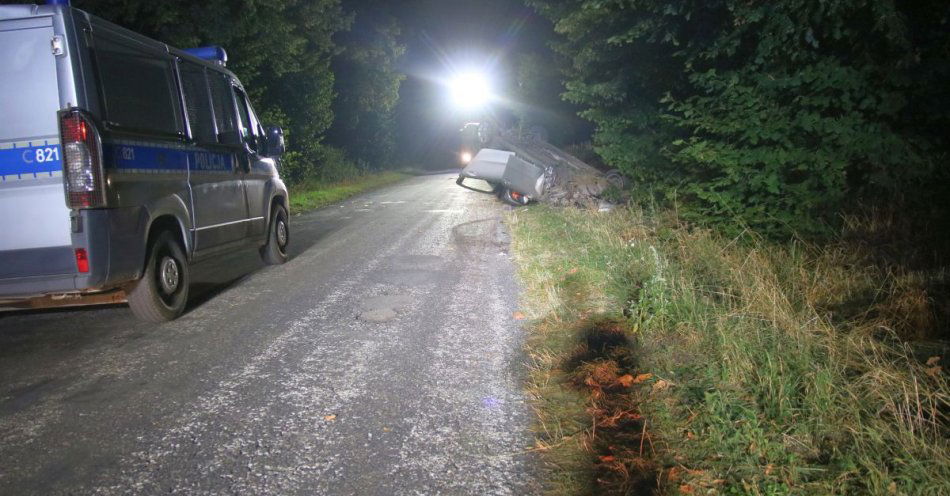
[{"x": 122, "y": 161}]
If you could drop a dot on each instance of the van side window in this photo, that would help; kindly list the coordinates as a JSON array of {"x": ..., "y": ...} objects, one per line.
[
  {"x": 223, "y": 103},
  {"x": 139, "y": 89},
  {"x": 194, "y": 84},
  {"x": 248, "y": 120}
]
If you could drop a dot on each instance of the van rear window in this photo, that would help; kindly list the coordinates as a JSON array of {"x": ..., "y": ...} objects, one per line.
[
  {"x": 29, "y": 95},
  {"x": 139, "y": 90}
]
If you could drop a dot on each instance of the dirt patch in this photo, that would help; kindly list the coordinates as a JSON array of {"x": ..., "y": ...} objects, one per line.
[
  {"x": 604, "y": 366},
  {"x": 383, "y": 308}
]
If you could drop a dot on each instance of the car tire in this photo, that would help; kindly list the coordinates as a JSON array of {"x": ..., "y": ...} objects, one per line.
[
  {"x": 278, "y": 237},
  {"x": 514, "y": 198},
  {"x": 616, "y": 178},
  {"x": 161, "y": 293}
]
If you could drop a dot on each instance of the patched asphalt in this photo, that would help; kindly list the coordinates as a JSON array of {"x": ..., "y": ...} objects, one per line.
[{"x": 383, "y": 358}]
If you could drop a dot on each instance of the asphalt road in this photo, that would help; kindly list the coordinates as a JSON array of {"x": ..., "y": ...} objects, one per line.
[{"x": 383, "y": 358}]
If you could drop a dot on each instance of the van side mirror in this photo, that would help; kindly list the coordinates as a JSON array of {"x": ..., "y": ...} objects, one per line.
[{"x": 274, "y": 142}]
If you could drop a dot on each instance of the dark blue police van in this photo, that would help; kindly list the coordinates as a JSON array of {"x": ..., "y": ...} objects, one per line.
[{"x": 123, "y": 161}]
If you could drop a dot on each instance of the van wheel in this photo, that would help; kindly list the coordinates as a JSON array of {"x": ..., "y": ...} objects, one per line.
[
  {"x": 278, "y": 236},
  {"x": 162, "y": 292}
]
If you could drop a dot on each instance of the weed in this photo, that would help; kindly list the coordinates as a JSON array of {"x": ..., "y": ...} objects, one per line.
[
  {"x": 666, "y": 356},
  {"x": 314, "y": 194}
]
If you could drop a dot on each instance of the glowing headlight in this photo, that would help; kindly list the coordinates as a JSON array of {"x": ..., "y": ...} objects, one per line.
[
  {"x": 470, "y": 90},
  {"x": 466, "y": 157}
]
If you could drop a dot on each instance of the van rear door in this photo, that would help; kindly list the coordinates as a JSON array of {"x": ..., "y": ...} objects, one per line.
[{"x": 34, "y": 220}]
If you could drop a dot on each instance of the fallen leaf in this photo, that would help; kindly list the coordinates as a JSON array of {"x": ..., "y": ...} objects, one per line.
[
  {"x": 686, "y": 489},
  {"x": 642, "y": 377},
  {"x": 329, "y": 418},
  {"x": 572, "y": 271},
  {"x": 933, "y": 371},
  {"x": 607, "y": 459},
  {"x": 768, "y": 469},
  {"x": 660, "y": 385},
  {"x": 625, "y": 380},
  {"x": 932, "y": 361},
  {"x": 690, "y": 435},
  {"x": 673, "y": 474},
  {"x": 518, "y": 316}
]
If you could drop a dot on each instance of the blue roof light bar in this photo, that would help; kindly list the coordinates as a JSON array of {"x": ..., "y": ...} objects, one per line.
[{"x": 211, "y": 53}]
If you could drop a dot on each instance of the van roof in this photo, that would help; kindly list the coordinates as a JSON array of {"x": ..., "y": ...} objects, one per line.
[{"x": 145, "y": 39}]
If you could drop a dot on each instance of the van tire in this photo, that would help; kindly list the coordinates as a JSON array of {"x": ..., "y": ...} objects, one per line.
[
  {"x": 153, "y": 299},
  {"x": 278, "y": 237}
]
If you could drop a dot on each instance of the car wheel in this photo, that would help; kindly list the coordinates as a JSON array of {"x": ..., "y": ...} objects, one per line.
[
  {"x": 161, "y": 293},
  {"x": 515, "y": 198},
  {"x": 278, "y": 237},
  {"x": 616, "y": 178}
]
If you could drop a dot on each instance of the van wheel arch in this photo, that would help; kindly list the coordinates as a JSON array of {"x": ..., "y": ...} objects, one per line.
[{"x": 156, "y": 227}]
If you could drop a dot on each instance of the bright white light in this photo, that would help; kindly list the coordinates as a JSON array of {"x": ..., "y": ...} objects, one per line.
[
  {"x": 466, "y": 157},
  {"x": 470, "y": 90}
]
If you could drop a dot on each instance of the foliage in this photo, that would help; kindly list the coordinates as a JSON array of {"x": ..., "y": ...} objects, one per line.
[
  {"x": 537, "y": 104},
  {"x": 327, "y": 163},
  {"x": 759, "y": 367},
  {"x": 367, "y": 84},
  {"x": 324, "y": 68},
  {"x": 769, "y": 114}
]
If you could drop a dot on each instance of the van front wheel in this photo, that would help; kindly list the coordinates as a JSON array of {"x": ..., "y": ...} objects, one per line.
[
  {"x": 162, "y": 292},
  {"x": 278, "y": 236}
]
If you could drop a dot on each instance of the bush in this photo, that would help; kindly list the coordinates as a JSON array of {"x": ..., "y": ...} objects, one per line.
[
  {"x": 329, "y": 165},
  {"x": 773, "y": 115}
]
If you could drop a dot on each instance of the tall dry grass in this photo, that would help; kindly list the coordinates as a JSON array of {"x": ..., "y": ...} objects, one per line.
[{"x": 783, "y": 368}]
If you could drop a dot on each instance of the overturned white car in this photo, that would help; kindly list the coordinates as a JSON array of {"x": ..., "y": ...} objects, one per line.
[{"x": 520, "y": 170}]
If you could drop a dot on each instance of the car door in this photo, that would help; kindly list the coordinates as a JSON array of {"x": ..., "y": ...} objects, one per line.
[
  {"x": 258, "y": 169},
  {"x": 217, "y": 183}
]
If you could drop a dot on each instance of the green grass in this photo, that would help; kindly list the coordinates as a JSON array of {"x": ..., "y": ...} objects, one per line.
[
  {"x": 315, "y": 194},
  {"x": 761, "y": 368}
]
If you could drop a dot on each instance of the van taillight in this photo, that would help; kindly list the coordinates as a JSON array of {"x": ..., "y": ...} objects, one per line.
[
  {"x": 82, "y": 260},
  {"x": 82, "y": 161}
]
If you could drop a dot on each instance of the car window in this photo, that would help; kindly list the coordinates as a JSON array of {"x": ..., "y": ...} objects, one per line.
[
  {"x": 248, "y": 119},
  {"x": 223, "y": 103},
  {"x": 194, "y": 84},
  {"x": 139, "y": 88}
]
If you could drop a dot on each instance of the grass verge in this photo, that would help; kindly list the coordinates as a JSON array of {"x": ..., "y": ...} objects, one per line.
[
  {"x": 315, "y": 194},
  {"x": 668, "y": 359}
]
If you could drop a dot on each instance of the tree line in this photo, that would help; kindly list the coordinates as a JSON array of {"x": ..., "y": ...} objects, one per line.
[
  {"x": 324, "y": 70},
  {"x": 774, "y": 115}
]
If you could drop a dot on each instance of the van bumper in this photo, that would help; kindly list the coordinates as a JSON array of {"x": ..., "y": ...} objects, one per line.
[{"x": 114, "y": 240}]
